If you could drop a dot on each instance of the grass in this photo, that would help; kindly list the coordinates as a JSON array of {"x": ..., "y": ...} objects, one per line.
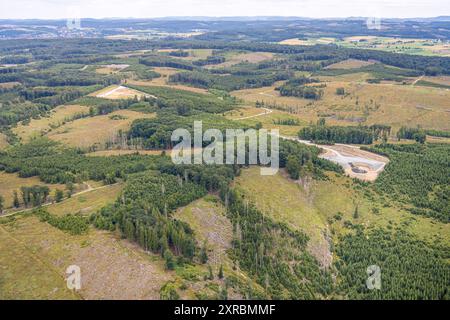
[
  {"x": 207, "y": 218},
  {"x": 86, "y": 132},
  {"x": 349, "y": 64},
  {"x": 288, "y": 202},
  {"x": 233, "y": 58},
  {"x": 163, "y": 81},
  {"x": 56, "y": 118},
  {"x": 88, "y": 202},
  {"x": 313, "y": 206},
  {"x": 11, "y": 181},
  {"x": 3, "y": 141},
  {"x": 118, "y": 152},
  {"x": 111, "y": 268},
  {"x": 386, "y": 103},
  {"x": 426, "y": 47},
  {"x": 25, "y": 275}
]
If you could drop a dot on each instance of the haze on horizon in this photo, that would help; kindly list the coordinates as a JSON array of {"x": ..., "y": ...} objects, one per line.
[{"x": 56, "y": 9}]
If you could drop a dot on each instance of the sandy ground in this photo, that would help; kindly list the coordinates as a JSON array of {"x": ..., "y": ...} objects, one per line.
[
  {"x": 120, "y": 92},
  {"x": 346, "y": 156}
]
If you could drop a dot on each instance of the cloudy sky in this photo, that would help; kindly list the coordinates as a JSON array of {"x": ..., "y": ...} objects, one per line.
[{"x": 53, "y": 9}]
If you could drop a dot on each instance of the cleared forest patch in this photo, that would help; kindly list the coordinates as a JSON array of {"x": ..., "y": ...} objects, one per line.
[
  {"x": 350, "y": 64},
  {"x": 58, "y": 116},
  {"x": 365, "y": 103},
  {"x": 111, "y": 268},
  {"x": 289, "y": 202},
  {"x": 87, "y": 132},
  {"x": 10, "y": 182},
  {"x": 207, "y": 217},
  {"x": 87, "y": 202},
  {"x": 163, "y": 81}
]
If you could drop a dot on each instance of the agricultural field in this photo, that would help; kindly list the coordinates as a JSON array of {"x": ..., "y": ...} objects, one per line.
[
  {"x": 427, "y": 47},
  {"x": 313, "y": 204}
]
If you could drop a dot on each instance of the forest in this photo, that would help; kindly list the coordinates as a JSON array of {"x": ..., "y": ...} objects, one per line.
[
  {"x": 273, "y": 256},
  {"x": 417, "y": 174}
]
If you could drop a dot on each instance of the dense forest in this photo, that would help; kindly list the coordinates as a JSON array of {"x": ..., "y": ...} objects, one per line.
[
  {"x": 53, "y": 164},
  {"x": 417, "y": 174},
  {"x": 409, "y": 268},
  {"x": 338, "y": 134}
]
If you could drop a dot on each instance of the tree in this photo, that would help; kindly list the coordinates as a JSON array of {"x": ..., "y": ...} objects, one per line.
[
  {"x": 2, "y": 200},
  {"x": 203, "y": 254},
  {"x": 356, "y": 213},
  {"x": 340, "y": 91},
  {"x": 211, "y": 274},
  {"x": 59, "y": 195},
  {"x": 70, "y": 187},
  {"x": 170, "y": 262},
  {"x": 293, "y": 167},
  {"x": 16, "y": 202},
  {"x": 220, "y": 274}
]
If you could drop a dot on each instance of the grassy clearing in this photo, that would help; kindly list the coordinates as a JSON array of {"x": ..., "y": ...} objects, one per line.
[
  {"x": 207, "y": 217},
  {"x": 329, "y": 205},
  {"x": 364, "y": 103},
  {"x": 3, "y": 141},
  {"x": 88, "y": 202},
  {"x": 234, "y": 58},
  {"x": 349, "y": 64},
  {"x": 111, "y": 268},
  {"x": 10, "y": 182},
  {"x": 57, "y": 117},
  {"x": 288, "y": 202},
  {"x": 86, "y": 132},
  {"x": 25, "y": 275},
  {"x": 108, "y": 153},
  {"x": 111, "y": 69},
  {"x": 163, "y": 81}
]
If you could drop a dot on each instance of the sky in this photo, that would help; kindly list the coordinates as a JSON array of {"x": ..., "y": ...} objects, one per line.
[{"x": 56, "y": 9}]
